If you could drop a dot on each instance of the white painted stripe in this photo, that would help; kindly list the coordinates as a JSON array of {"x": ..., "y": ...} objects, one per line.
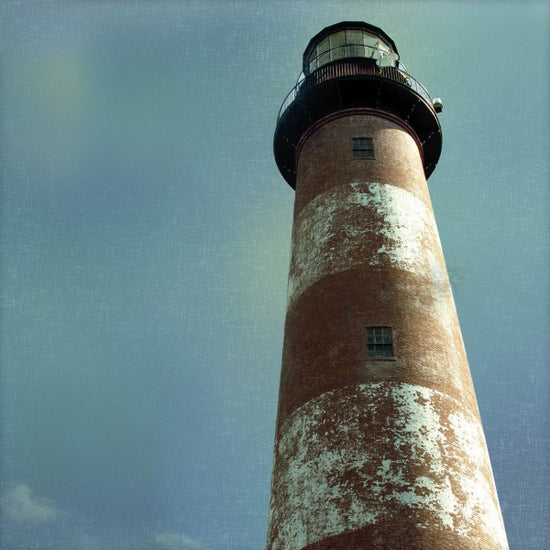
[
  {"x": 442, "y": 476},
  {"x": 336, "y": 231}
]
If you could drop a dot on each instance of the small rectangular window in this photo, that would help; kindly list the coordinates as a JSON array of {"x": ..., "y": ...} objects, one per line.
[
  {"x": 362, "y": 147},
  {"x": 379, "y": 342}
]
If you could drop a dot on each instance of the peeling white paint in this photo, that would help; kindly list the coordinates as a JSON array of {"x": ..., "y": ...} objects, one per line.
[
  {"x": 342, "y": 463},
  {"x": 335, "y": 232}
]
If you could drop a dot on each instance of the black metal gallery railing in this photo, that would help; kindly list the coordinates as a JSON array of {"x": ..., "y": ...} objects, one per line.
[{"x": 352, "y": 67}]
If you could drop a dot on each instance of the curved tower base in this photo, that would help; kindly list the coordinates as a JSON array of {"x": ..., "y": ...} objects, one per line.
[{"x": 383, "y": 465}]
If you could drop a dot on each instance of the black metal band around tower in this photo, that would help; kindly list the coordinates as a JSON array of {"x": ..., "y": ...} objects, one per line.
[{"x": 378, "y": 442}]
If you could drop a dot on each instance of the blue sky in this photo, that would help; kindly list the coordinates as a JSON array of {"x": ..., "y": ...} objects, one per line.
[{"x": 145, "y": 242}]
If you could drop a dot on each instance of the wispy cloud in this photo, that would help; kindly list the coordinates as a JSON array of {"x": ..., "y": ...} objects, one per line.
[
  {"x": 22, "y": 507},
  {"x": 176, "y": 541}
]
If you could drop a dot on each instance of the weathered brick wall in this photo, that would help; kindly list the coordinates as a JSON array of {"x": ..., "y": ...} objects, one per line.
[{"x": 371, "y": 453}]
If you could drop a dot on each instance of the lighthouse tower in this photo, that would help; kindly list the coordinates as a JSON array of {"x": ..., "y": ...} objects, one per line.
[{"x": 378, "y": 441}]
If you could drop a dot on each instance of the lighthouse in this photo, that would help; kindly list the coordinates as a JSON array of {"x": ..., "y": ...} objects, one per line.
[{"x": 378, "y": 443}]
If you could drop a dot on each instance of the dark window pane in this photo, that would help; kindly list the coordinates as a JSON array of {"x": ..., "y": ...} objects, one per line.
[
  {"x": 361, "y": 153},
  {"x": 379, "y": 342},
  {"x": 362, "y": 147}
]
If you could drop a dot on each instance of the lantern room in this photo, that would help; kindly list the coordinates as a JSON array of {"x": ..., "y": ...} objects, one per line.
[
  {"x": 355, "y": 65},
  {"x": 350, "y": 39}
]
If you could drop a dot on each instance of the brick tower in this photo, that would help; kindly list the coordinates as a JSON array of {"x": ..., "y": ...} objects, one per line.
[{"x": 378, "y": 441}]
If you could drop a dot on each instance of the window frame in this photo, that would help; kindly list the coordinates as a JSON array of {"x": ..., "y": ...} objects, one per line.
[
  {"x": 374, "y": 347},
  {"x": 362, "y": 147}
]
